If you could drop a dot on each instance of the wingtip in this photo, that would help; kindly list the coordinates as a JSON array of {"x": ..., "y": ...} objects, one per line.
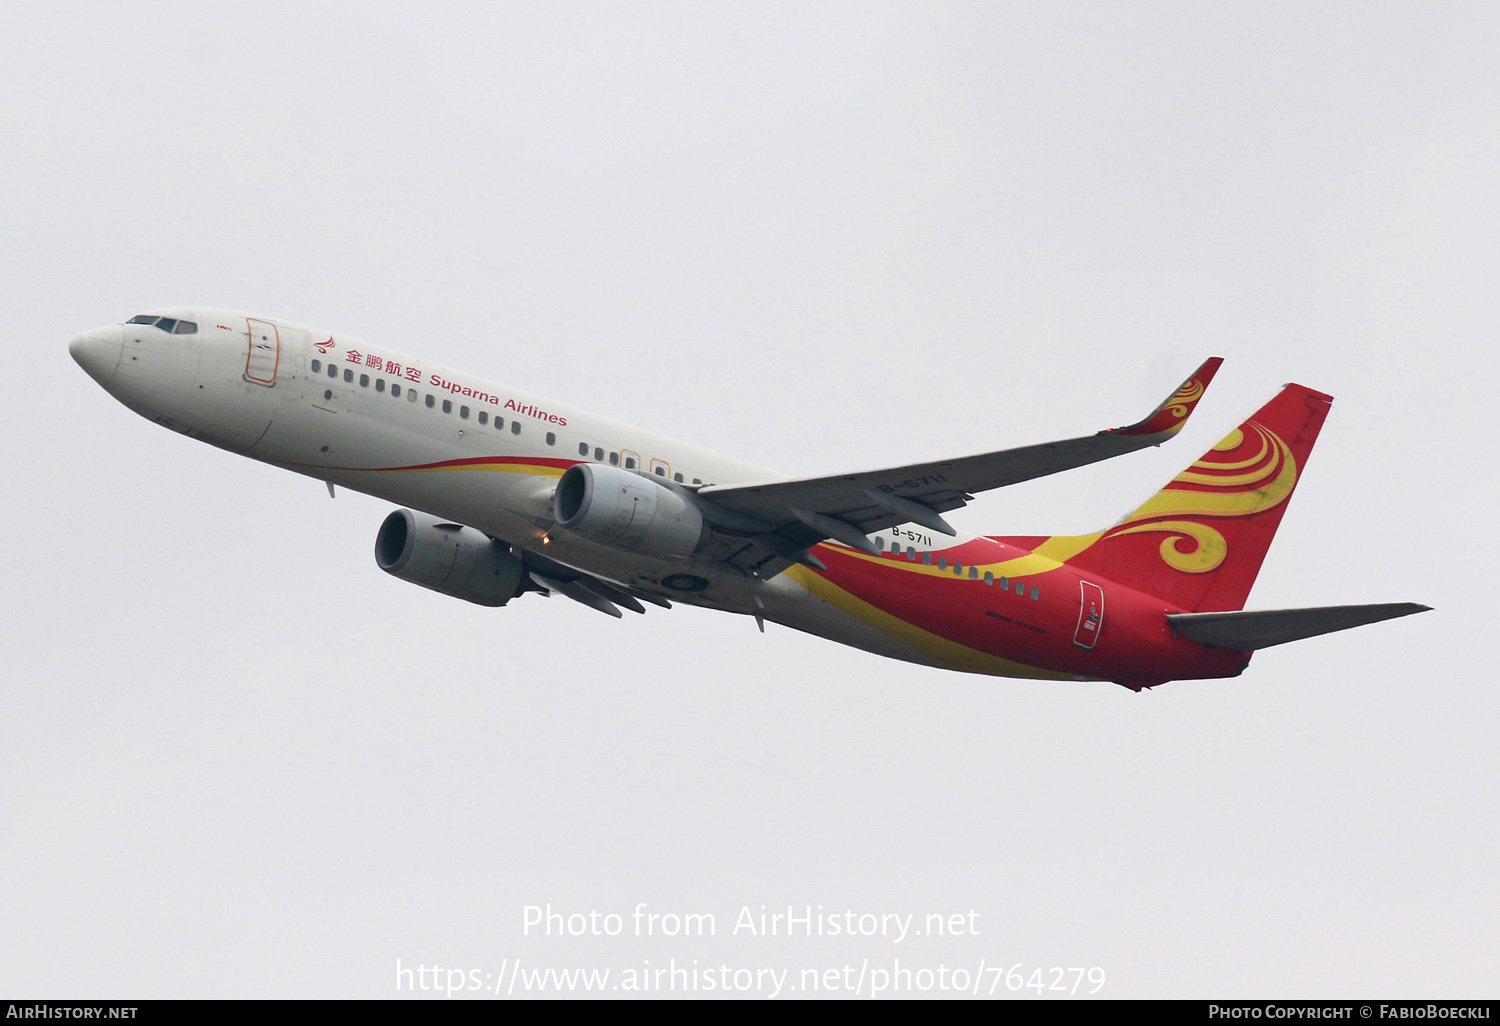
[
  {"x": 1168, "y": 418},
  {"x": 1205, "y": 373}
]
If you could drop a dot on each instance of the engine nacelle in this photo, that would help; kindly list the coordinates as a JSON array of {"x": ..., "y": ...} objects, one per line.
[
  {"x": 448, "y": 558},
  {"x": 627, "y": 511}
]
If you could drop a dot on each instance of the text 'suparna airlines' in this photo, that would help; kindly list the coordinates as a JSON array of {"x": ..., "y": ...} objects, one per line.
[{"x": 504, "y": 492}]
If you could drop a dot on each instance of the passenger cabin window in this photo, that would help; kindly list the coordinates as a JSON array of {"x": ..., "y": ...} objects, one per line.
[
  {"x": 380, "y": 384},
  {"x": 395, "y": 391},
  {"x": 551, "y": 438},
  {"x": 447, "y": 405},
  {"x": 499, "y": 423},
  {"x": 348, "y": 375},
  {"x": 431, "y": 400},
  {"x": 661, "y": 471},
  {"x": 677, "y": 478},
  {"x": 515, "y": 427},
  {"x": 1036, "y": 593},
  {"x": 583, "y": 448},
  {"x": 364, "y": 381},
  {"x": 411, "y": 395},
  {"x": 629, "y": 462},
  {"x": 484, "y": 416},
  {"x": 463, "y": 412},
  {"x": 614, "y": 459},
  {"x": 317, "y": 366},
  {"x": 598, "y": 454},
  {"x": 333, "y": 371}
]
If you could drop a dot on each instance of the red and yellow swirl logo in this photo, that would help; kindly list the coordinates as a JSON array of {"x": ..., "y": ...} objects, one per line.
[
  {"x": 1241, "y": 476},
  {"x": 1170, "y": 416},
  {"x": 1183, "y": 399}
]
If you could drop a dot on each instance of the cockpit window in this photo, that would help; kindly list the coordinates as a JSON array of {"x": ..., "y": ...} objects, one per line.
[{"x": 171, "y": 325}]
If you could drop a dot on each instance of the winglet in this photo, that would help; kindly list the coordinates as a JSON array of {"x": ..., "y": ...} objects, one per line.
[{"x": 1167, "y": 419}]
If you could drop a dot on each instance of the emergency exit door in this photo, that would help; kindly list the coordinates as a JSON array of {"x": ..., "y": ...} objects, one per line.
[
  {"x": 265, "y": 352},
  {"x": 1090, "y": 615}
]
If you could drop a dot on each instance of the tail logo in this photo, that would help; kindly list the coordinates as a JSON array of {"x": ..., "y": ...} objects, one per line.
[
  {"x": 1169, "y": 417},
  {"x": 1183, "y": 399},
  {"x": 1239, "y": 477}
]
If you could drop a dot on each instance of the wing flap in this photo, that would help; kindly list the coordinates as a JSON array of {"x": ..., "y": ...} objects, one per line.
[
  {"x": 589, "y": 589},
  {"x": 1249, "y": 630}
]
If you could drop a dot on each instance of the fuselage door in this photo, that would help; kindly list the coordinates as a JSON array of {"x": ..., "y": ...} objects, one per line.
[
  {"x": 1090, "y": 615},
  {"x": 264, "y": 354}
]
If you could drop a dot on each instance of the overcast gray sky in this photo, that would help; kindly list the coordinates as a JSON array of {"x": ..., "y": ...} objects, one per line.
[{"x": 238, "y": 760}]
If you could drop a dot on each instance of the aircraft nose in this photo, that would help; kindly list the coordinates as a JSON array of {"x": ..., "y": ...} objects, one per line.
[{"x": 98, "y": 352}]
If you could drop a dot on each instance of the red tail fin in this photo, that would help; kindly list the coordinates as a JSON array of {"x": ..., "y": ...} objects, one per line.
[{"x": 1219, "y": 515}]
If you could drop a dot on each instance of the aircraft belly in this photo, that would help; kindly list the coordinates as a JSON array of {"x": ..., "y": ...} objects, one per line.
[
  {"x": 825, "y": 620},
  {"x": 506, "y": 505}
]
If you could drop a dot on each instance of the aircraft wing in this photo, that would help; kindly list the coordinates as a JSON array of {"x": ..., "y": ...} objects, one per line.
[{"x": 789, "y": 516}]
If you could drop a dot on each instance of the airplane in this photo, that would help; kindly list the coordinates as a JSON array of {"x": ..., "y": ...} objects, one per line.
[{"x": 504, "y": 493}]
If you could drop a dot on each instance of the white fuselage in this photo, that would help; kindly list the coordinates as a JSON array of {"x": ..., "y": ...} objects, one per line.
[{"x": 417, "y": 433}]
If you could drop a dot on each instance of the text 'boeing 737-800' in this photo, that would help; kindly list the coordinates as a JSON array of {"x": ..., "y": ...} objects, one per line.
[{"x": 505, "y": 492}]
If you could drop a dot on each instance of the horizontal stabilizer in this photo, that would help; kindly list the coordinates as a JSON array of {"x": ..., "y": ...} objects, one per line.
[{"x": 1246, "y": 631}]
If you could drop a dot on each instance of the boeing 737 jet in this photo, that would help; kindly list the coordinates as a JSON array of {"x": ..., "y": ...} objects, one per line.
[{"x": 504, "y": 493}]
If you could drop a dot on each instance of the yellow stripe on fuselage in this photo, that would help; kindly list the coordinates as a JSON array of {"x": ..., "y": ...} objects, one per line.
[{"x": 949, "y": 653}]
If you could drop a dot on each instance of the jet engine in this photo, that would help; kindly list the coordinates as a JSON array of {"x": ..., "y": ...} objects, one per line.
[
  {"x": 448, "y": 558},
  {"x": 628, "y": 511}
]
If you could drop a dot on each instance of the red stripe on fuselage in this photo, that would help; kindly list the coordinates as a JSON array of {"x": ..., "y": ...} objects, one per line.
[
  {"x": 475, "y": 462},
  {"x": 1135, "y": 642},
  {"x": 480, "y": 462}
]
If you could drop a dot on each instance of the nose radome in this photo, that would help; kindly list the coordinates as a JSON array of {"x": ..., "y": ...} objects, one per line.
[{"x": 98, "y": 352}]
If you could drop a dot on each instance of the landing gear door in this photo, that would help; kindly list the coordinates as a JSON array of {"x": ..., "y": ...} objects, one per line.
[
  {"x": 265, "y": 352},
  {"x": 1090, "y": 615}
]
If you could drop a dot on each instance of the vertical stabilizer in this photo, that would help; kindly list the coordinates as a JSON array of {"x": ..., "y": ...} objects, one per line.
[{"x": 1199, "y": 542}]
